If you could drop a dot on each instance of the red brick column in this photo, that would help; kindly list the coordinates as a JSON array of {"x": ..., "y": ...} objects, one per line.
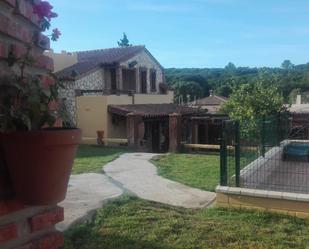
[
  {"x": 174, "y": 132},
  {"x": 135, "y": 131},
  {"x": 24, "y": 227},
  {"x": 130, "y": 130}
]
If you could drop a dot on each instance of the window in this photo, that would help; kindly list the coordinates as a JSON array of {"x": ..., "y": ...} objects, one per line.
[
  {"x": 129, "y": 79},
  {"x": 143, "y": 80},
  {"x": 153, "y": 80}
]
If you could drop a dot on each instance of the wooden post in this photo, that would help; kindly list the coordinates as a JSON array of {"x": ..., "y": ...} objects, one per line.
[
  {"x": 174, "y": 132},
  {"x": 135, "y": 131},
  {"x": 194, "y": 132}
]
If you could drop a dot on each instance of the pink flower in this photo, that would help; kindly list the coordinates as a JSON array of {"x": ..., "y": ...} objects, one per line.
[
  {"x": 44, "y": 10},
  {"x": 55, "y": 35}
]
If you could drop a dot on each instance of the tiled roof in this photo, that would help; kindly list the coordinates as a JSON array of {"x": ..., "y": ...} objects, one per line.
[
  {"x": 211, "y": 100},
  {"x": 300, "y": 109},
  {"x": 153, "y": 110},
  {"x": 89, "y": 60},
  {"x": 109, "y": 55},
  {"x": 76, "y": 69}
]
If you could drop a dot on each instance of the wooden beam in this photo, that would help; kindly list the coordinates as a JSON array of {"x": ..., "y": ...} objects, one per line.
[
  {"x": 216, "y": 147},
  {"x": 116, "y": 140}
]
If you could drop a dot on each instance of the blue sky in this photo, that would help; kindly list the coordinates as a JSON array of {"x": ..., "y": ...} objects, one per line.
[{"x": 191, "y": 33}]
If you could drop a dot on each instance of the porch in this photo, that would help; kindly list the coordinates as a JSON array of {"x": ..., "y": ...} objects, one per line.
[
  {"x": 152, "y": 127},
  {"x": 131, "y": 79}
]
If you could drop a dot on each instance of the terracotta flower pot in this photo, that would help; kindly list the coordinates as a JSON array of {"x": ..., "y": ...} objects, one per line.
[
  {"x": 40, "y": 163},
  {"x": 1, "y": 151}
]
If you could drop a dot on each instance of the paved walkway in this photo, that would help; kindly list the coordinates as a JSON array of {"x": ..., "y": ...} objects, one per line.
[
  {"x": 86, "y": 193},
  {"x": 135, "y": 173},
  {"x": 131, "y": 173}
]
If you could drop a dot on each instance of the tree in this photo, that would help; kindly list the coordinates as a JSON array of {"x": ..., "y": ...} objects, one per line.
[
  {"x": 188, "y": 91},
  {"x": 287, "y": 64},
  {"x": 252, "y": 104},
  {"x": 230, "y": 67},
  {"x": 124, "y": 42},
  {"x": 224, "y": 90},
  {"x": 254, "y": 101},
  {"x": 200, "y": 80}
]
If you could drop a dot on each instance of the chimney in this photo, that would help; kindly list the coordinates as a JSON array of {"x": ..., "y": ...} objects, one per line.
[
  {"x": 298, "y": 100},
  {"x": 211, "y": 93}
]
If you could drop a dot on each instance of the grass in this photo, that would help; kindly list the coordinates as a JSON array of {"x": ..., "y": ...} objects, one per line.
[
  {"x": 91, "y": 158},
  {"x": 195, "y": 170},
  {"x": 131, "y": 223}
]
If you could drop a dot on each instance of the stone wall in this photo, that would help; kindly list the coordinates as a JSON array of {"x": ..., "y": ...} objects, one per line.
[
  {"x": 91, "y": 81},
  {"x": 24, "y": 227}
]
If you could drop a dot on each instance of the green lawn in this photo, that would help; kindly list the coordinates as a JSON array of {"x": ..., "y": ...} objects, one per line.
[
  {"x": 91, "y": 158},
  {"x": 131, "y": 223},
  {"x": 195, "y": 170}
]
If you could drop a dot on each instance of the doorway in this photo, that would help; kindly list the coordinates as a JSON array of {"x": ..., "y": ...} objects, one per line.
[{"x": 157, "y": 135}]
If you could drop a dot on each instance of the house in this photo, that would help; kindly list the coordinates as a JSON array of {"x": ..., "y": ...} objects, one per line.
[
  {"x": 207, "y": 130},
  {"x": 212, "y": 103},
  {"x": 114, "y": 71},
  {"x": 121, "y": 94}
]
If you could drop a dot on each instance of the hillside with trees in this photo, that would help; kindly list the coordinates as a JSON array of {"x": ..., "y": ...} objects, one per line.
[{"x": 196, "y": 82}]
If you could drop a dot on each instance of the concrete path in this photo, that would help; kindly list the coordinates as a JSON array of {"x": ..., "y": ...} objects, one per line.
[
  {"x": 86, "y": 194},
  {"x": 136, "y": 174},
  {"x": 130, "y": 173}
]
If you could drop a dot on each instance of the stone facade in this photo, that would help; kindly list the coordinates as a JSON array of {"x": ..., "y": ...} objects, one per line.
[{"x": 91, "y": 81}]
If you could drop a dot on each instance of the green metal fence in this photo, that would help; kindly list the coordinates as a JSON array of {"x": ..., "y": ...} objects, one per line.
[{"x": 259, "y": 154}]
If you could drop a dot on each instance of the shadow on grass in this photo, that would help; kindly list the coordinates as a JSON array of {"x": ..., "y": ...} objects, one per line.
[
  {"x": 113, "y": 241},
  {"x": 85, "y": 151},
  {"x": 132, "y": 223}
]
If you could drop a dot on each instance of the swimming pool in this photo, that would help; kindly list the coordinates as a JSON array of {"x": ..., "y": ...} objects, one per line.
[{"x": 296, "y": 151}]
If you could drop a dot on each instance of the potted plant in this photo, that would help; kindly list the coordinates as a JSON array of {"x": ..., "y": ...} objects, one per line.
[{"x": 39, "y": 156}]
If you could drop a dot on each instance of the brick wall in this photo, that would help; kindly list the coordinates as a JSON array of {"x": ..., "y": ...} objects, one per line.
[{"x": 24, "y": 227}]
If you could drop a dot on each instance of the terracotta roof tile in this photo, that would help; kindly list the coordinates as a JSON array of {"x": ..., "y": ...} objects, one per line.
[
  {"x": 88, "y": 60},
  {"x": 212, "y": 100},
  {"x": 153, "y": 110},
  {"x": 109, "y": 55},
  {"x": 76, "y": 70}
]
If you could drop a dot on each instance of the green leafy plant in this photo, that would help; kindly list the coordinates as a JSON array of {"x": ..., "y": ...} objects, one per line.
[
  {"x": 26, "y": 101},
  {"x": 252, "y": 103},
  {"x": 26, "y": 104}
]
